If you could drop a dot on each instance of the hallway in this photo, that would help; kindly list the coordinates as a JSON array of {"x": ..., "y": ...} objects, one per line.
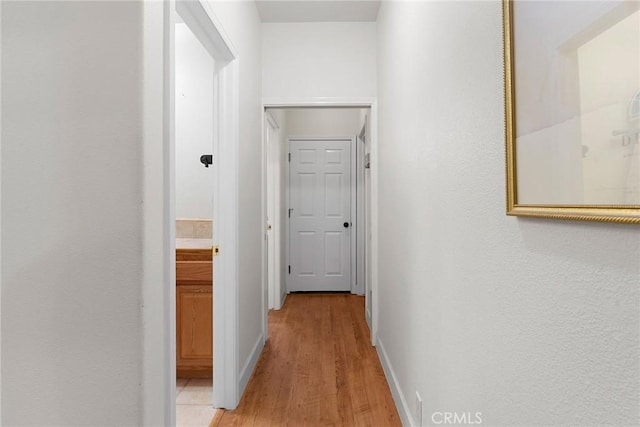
[
  {"x": 474, "y": 309},
  {"x": 318, "y": 368}
]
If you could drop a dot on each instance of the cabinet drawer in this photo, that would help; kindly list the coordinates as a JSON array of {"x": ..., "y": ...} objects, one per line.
[
  {"x": 194, "y": 271},
  {"x": 193, "y": 254}
]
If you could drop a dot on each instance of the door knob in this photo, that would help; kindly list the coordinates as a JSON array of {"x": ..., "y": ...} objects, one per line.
[{"x": 346, "y": 225}]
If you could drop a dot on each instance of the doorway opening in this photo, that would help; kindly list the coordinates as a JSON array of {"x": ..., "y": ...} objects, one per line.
[
  {"x": 159, "y": 209},
  {"x": 194, "y": 112},
  {"x": 318, "y": 200}
]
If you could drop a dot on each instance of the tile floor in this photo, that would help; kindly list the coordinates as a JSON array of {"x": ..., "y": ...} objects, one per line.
[{"x": 193, "y": 407}]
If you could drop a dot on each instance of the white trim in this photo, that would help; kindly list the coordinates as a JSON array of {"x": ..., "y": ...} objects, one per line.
[
  {"x": 394, "y": 385},
  {"x": 285, "y": 214},
  {"x": 272, "y": 164},
  {"x": 158, "y": 244},
  {"x": 264, "y": 277},
  {"x": 365, "y": 200},
  {"x": 203, "y": 24},
  {"x": 361, "y": 103},
  {"x": 250, "y": 364},
  {"x": 264, "y": 212},
  {"x": 158, "y": 217},
  {"x": 277, "y": 218},
  {"x": 361, "y": 238},
  {"x": 374, "y": 220},
  {"x": 317, "y": 102},
  {"x": 272, "y": 120},
  {"x": 353, "y": 217},
  {"x": 226, "y": 390}
]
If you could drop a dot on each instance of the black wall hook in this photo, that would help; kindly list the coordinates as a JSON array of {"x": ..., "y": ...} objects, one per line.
[{"x": 206, "y": 160}]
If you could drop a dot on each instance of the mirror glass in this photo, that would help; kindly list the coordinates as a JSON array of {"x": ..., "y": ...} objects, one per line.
[{"x": 576, "y": 88}]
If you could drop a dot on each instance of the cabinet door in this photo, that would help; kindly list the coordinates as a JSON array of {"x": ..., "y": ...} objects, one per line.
[{"x": 194, "y": 331}]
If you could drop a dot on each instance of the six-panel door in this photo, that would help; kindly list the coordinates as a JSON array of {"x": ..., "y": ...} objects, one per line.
[{"x": 320, "y": 215}]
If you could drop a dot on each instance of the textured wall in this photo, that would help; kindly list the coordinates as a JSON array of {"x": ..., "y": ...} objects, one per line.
[
  {"x": 71, "y": 213},
  {"x": 531, "y": 322},
  {"x": 319, "y": 59},
  {"x": 194, "y": 125},
  {"x": 323, "y": 121}
]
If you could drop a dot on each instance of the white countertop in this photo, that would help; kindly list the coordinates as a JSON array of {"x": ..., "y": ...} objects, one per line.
[{"x": 194, "y": 243}]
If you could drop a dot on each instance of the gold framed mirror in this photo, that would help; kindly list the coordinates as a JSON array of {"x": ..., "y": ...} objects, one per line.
[{"x": 572, "y": 103}]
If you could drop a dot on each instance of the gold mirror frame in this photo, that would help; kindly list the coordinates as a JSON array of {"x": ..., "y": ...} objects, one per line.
[{"x": 629, "y": 214}]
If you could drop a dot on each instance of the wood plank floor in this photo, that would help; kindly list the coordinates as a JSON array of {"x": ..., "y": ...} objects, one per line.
[{"x": 317, "y": 369}]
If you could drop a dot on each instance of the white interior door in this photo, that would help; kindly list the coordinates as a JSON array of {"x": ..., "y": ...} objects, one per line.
[{"x": 320, "y": 214}]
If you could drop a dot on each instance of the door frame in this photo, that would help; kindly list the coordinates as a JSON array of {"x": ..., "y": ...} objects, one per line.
[
  {"x": 372, "y": 104},
  {"x": 272, "y": 151},
  {"x": 158, "y": 296}
]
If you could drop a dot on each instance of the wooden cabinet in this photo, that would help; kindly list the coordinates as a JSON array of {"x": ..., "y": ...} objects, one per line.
[{"x": 194, "y": 314}]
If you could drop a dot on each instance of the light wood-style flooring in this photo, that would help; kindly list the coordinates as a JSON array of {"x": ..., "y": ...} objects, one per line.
[{"x": 317, "y": 369}]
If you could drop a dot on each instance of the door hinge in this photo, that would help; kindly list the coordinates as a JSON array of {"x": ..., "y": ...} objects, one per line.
[
  {"x": 215, "y": 250},
  {"x": 289, "y": 156},
  {"x": 289, "y": 269}
]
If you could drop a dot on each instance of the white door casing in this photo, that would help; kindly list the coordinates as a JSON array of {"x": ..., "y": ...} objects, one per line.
[
  {"x": 320, "y": 223},
  {"x": 359, "y": 282},
  {"x": 366, "y": 171},
  {"x": 158, "y": 289},
  {"x": 202, "y": 22},
  {"x": 272, "y": 220}
]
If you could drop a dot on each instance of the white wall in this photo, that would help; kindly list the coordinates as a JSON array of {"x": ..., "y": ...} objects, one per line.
[
  {"x": 241, "y": 22},
  {"x": 531, "y": 322},
  {"x": 323, "y": 122},
  {"x": 71, "y": 213},
  {"x": 194, "y": 125},
  {"x": 319, "y": 59}
]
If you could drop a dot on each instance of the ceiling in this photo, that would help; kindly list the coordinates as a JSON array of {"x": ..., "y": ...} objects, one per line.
[{"x": 318, "y": 10}]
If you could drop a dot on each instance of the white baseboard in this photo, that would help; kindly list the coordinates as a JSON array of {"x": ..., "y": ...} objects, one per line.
[
  {"x": 250, "y": 364},
  {"x": 396, "y": 392},
  {"x": 283, "y": 298}
]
